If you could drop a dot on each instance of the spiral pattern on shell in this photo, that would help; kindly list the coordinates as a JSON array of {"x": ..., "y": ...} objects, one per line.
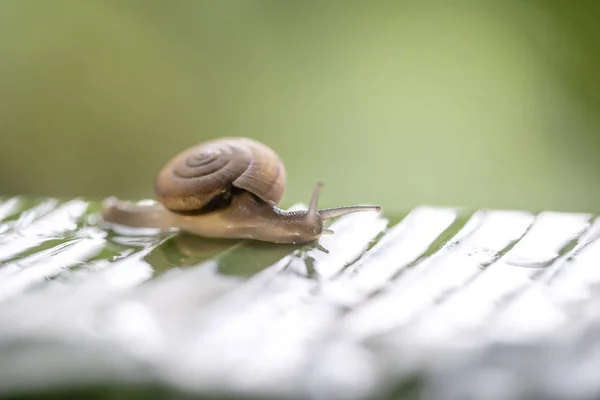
[{"x": 194, "y": 177}]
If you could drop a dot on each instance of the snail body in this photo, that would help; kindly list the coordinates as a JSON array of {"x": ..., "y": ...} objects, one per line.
[{"x": 227, "y": 188}]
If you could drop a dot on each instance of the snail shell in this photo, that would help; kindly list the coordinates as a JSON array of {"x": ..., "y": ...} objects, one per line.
[{"x": 198, "y": 179}]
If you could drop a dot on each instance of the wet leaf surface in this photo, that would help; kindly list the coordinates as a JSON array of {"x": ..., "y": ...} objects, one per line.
[{"x": 441, "y": 303}]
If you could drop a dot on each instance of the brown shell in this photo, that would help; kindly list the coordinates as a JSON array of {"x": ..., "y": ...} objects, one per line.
[{"x": 199, "y": 174}]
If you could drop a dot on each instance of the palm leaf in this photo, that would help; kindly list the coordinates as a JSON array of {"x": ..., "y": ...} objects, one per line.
[{"x": 440, "y": 303}]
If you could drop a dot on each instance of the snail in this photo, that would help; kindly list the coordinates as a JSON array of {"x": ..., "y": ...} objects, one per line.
[{"x": 227, "y": 188}]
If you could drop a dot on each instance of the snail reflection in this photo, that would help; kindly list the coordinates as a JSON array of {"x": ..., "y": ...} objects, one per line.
[{"x": 227, "y": 188}]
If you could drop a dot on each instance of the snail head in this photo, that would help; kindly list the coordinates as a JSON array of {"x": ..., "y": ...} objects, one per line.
[{"x": 311, "y": 222}]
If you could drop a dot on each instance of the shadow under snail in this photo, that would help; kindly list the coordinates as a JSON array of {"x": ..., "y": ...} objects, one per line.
[{"x": 227, "y": 188}]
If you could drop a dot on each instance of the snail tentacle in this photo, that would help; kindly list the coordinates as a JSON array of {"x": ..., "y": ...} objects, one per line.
[{"x": 328, "y": 213}]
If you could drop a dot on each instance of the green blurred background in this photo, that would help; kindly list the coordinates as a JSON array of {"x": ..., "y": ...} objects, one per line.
[{"x": 478, "y": 104}]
